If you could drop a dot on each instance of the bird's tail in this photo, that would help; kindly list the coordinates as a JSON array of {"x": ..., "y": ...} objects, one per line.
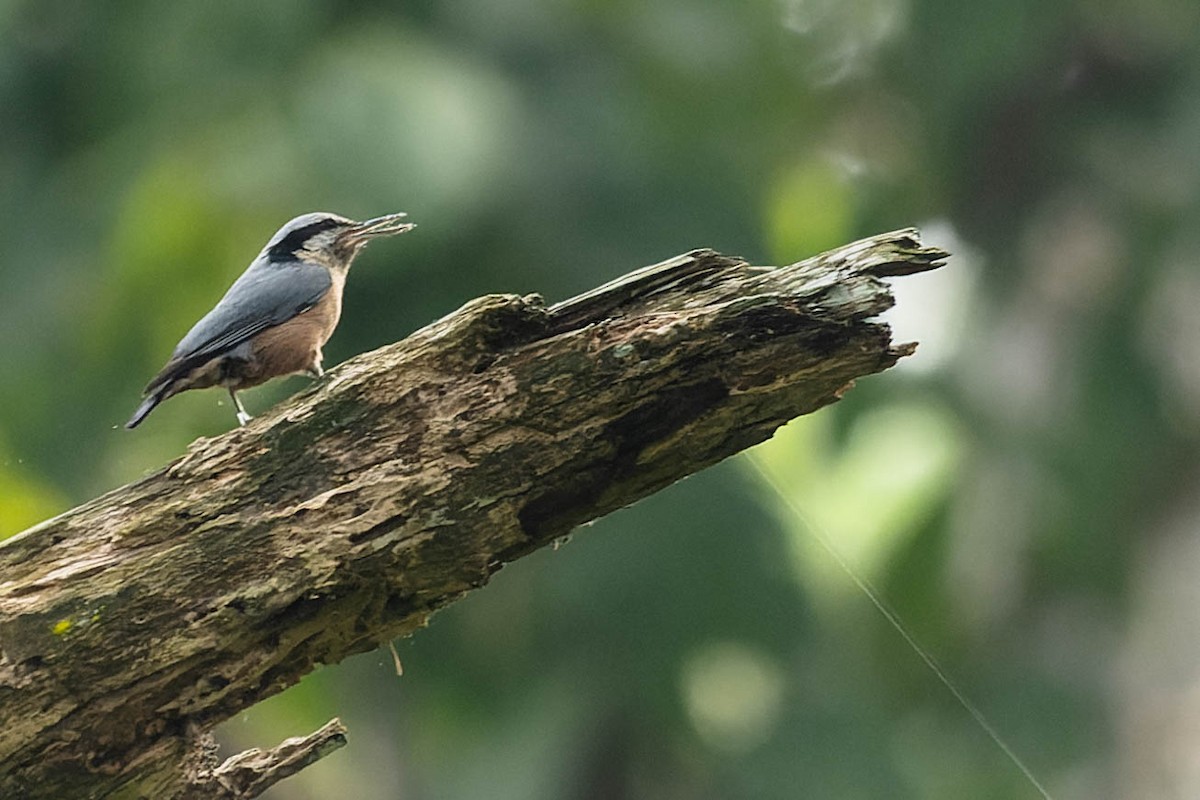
[{"x": 148, "y": 405}]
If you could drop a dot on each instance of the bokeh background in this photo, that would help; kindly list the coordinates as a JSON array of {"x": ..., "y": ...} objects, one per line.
[{"x": 1024, "y": 491}]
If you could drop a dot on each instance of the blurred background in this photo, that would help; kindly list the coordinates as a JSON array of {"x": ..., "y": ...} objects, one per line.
[{"x": 1024, "y": 491}]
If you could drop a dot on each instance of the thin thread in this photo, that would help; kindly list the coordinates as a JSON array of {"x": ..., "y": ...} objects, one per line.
[{"x": 893, "y": 618}]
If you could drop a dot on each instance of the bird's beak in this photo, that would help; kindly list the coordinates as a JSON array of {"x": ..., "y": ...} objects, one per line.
[{"x": 387, "y": 225}]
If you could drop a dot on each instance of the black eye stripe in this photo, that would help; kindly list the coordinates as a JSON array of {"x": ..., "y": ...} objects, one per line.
[{"x": 296, "y": 239}]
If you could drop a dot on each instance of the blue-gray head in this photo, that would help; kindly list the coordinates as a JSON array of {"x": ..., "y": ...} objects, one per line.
[{"x": 330, "y": 239}]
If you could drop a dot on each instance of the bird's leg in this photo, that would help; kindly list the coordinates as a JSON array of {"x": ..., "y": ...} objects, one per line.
[
  {"x": 242, "y": 416},
  {"x": 314, "y": 370}
]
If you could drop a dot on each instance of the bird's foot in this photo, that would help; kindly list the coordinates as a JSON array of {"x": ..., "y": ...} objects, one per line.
[
  {"x": 242, "y": 416},
  {"x": 315, "y": 371}
]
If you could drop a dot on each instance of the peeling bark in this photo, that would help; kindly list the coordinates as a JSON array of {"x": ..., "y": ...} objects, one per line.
[{"x": 132, "y": 625}]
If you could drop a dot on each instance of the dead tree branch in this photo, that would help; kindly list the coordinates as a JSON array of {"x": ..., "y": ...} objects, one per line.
[{"x": 131, "y": 625}]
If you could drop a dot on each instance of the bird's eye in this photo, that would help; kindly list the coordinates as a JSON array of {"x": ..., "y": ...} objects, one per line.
[{"x": 306, "y": 236}]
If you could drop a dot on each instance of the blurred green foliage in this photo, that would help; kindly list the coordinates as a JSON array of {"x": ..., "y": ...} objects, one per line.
[{"x": 1025, "y": 491}]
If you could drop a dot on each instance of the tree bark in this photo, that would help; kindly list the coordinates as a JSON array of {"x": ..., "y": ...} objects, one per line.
[{"x": 133, "y": 624}]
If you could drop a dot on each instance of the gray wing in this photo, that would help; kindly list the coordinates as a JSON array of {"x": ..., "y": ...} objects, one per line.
[{"x": 266, "y": 295}]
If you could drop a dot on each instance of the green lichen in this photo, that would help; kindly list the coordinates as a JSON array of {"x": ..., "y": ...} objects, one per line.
[{"x": 66, "y": 626}]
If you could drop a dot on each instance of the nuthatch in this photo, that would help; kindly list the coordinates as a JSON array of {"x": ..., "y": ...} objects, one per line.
[{"x": 276, "y": 317}]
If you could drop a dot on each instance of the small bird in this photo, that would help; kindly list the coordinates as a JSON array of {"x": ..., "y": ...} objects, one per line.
[{"x": 276, "y": 317}]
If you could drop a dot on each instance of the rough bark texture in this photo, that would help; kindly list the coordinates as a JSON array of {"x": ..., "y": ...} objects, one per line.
[
  {"x": 250, "y": 773},
  {"x": 131, "y": 625}
]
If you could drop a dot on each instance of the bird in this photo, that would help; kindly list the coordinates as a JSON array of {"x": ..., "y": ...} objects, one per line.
[{"x": 276, "y": 317}]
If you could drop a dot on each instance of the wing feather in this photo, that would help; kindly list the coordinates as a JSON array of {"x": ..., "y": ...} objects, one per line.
[{"x": 267, "y": 294}]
